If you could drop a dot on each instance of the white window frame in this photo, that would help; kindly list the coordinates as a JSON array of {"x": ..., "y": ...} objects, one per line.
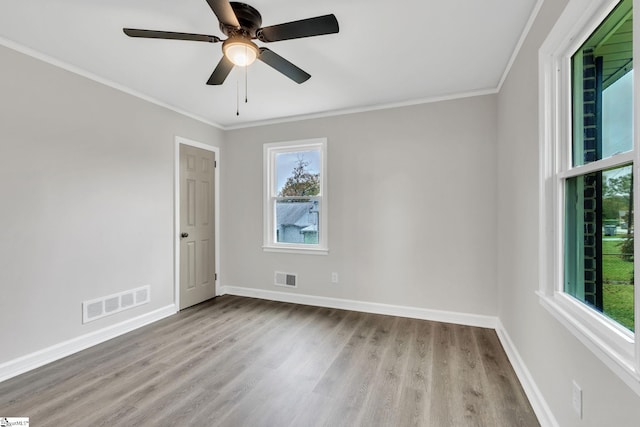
[
  {"x": 616, "y": 346},
  {"x": 270, "y": 151}
]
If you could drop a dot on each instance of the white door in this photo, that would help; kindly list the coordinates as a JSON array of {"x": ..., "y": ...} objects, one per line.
[{"x": 197, "y": 248}]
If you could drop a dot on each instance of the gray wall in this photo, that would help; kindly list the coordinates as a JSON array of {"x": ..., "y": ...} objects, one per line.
[
  {"x": 551, "y": 353},
  {"x": 86, "y": 190},
  {"x": 412, "y": 217}
]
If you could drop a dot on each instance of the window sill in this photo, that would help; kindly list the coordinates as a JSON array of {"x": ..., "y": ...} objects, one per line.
[
  {"x": 612, "y": 346},
  {"x": 295, "y": 250}
]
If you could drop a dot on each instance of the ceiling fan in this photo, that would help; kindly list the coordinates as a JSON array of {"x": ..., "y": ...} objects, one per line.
[{"x": 241, "y": 24}]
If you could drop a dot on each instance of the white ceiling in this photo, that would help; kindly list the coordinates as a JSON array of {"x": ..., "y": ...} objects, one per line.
[{"x": 386, "y": 53}]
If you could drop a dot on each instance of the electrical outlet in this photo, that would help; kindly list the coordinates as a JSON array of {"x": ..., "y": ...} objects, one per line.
[
  {"x": 334, "y": 277},
  {"x": 577, "y": 399}
]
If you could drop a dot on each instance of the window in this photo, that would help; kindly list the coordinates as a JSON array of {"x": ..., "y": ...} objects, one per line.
[
  {"x": 589, "y": 158},
  {"x": 598, "y": 220},
  {"x": 295, "y": 205}
]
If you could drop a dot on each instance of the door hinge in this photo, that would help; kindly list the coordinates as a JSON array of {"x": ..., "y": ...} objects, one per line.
[
  {"x": 215, "y": 164},
  {"x": 215, "y": 276}
]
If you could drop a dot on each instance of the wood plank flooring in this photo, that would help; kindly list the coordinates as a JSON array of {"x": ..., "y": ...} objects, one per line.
[{"x": 237, "y": 361}]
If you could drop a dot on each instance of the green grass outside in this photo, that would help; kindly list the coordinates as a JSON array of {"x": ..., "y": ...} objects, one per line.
[
  {"x": 618, "y": 304},
  {"x": 614, "y": 268},
  {"x": 617, "y": 298}
]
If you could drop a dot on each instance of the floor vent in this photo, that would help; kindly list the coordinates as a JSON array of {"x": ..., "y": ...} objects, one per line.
[
  {"x": 286, "y": 279},
  {"x": 100, "y": 307}
]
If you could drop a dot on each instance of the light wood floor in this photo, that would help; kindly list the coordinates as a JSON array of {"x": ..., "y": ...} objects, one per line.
[{"x": 245, "y": 362}]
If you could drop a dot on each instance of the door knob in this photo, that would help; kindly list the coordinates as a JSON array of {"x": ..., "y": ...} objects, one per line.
[{"x": 183, "y": 235}]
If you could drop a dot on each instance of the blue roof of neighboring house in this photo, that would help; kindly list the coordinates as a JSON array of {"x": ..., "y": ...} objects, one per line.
[{"x": 293, "y": 213}]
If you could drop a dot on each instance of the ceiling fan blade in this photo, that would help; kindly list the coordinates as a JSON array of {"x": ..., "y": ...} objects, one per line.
[
  {"x": 224, "y": 12},
  {"x": 152, "y": 34},
  {"x": 276, "y": 61},
  {"x": 221, "y": 72},
  {"x": 327, "y": 24}
]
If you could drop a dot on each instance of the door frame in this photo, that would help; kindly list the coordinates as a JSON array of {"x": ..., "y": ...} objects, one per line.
[{"x": 176, "y": 213}]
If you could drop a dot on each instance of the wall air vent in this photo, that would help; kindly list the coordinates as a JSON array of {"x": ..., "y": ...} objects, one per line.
[
  {"x": 105, "y": 306},
  {"x": 289, "y": 280}
]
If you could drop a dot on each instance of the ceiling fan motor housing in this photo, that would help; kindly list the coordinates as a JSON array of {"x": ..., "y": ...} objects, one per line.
[{"x": 249, "y": 19}]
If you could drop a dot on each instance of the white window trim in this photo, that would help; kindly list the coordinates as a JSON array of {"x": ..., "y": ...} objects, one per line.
[
  {"x": 615, "y": 346},
  {"x": 269, "y": 153}
]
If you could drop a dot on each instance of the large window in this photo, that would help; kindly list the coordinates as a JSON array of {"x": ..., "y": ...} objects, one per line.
[
  {"x": 295, "y": 196},
  {"x": 598, "y": 221},
  {"x": 589, "y": 161}
]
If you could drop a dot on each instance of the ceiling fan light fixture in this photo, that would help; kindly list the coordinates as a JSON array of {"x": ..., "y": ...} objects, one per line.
[{"x": 240, "y": 51}]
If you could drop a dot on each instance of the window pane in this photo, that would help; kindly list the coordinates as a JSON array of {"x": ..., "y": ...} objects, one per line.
[
  {"x": 603, "y": 90},
  {"x": 599, "y": 242},
  {"x": 617, "y": 116},
  {"x": 298, "y": 173},
  {"x": 297, "y": 221}
]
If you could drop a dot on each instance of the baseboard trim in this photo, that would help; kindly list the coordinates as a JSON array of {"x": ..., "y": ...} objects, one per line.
[
  {"x": 39, "y": 358},
  {"x": 538, "y": 403},
  {"x": 366, "y": 307}
]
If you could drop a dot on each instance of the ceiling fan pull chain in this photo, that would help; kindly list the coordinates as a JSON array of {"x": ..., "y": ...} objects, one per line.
[
  {"x": 238, "y": 97},
  {"x": 246, "y": 84}
]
